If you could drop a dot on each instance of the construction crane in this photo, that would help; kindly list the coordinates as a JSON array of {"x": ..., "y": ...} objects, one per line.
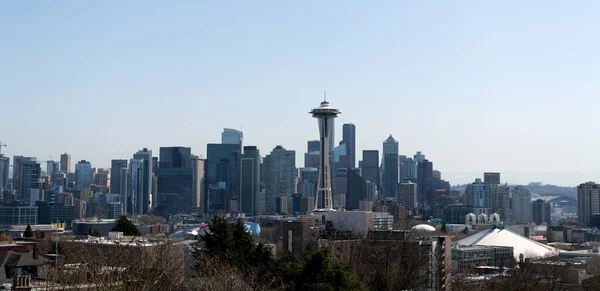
[{"x": 2, "y": 145}]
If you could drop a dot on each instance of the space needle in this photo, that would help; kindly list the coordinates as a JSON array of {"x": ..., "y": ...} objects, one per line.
[{"x": 325, "y": 113}]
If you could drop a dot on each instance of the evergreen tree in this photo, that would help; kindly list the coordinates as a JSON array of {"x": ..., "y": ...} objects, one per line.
[
  {"x": 444, "y": 230},
  {"x": 125, "y": 226},
  {"x": 219, "y": 241},
  {"x": 28, "y": 232}
]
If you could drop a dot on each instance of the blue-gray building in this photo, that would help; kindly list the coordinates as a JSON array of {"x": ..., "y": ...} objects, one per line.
[{"x": 222, "y": 177}]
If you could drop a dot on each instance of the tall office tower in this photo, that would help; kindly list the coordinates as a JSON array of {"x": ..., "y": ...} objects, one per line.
[
  {"x": 436, "y": 174},
  {"x": 326, "y": 115},
  {"x": 250, "y": 180},
  {"x": 500, "y": 200},
  {"x": 407, "y": 195},
  {"x": 357, "y": 189},
  {"x": 491, "y": 178},
  {"x": 26, "y": 179},
  {"x": 135, "y": 187},
  {"x": 540, "y": 211},
  {"x": 144, "y": 200},
  {"x": 280, "y": 174},
  {"x": 51, "y": 168},
  {"x": 313, "y": 146},
  {"x": 102, "y": 178},
  {"x": 588, "y": 202},
  {"x": 155, "y": 165},
  {"x": 312, "y": 159},
  {"x": 117, "y": 178},
  {"x": 340, "y": 157},
  {"x": 419, "y": 157},
  {"x": 4, "y": 167},
  {"x": 222, "y": 177},
  {"x": 390, "y": 167},
  {"x": 65, "y": 163},
  {"x": 83, "y": 170},
  {"x": 198, "y": 163},
  {"x": 175, "y": 182},
  {"x": 308, "y": 181},
  {"x": 408, "y": 169},
  {"x": 424, "y": 185},
  {"x": 479, "y": 195},
  {"x": 521, "y": 205},
  {"x": 349, "y": 138},
  {"x": 232, "y": 136},
  {"x": 370, "y": 167}
]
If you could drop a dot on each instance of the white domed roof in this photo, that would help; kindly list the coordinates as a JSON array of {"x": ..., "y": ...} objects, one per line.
[{"x": 423, "y": 227}]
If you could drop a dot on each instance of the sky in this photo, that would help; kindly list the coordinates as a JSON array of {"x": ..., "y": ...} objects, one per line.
[{"x": 508, "y": 86}]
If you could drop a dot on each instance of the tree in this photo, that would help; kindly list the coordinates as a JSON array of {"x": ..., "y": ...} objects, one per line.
[
  {"x": 319, "y": 272},
  {"x": 444, "y": 230},
  {"x": 55, "y": 249},
  {"x": 125, "y": 226},
  {"x": 28, "y": 231},
  {"x": 93, "y": 232}
]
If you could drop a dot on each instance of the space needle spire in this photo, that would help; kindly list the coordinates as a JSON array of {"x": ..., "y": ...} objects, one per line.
[{"x": 325, "y": 114}]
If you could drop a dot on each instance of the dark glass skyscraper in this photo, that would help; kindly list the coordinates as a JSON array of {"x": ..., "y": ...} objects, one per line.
[
  {"x": 175, "y": 181},
  {"x": 390, "y": 167},
  {"x": 349, "y": 138},
  {"x": 425, "y": 175},
  {"x": 357, "y": 189},
  {"x": 143, "y": 200},
  {"x": 222, "y": 177},
  {"x": 370, "y": 166},
  {"x": 250, "y": 180}
]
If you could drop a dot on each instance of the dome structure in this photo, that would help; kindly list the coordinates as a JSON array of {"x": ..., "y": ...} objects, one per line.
[{"x": 423, "y": 227}]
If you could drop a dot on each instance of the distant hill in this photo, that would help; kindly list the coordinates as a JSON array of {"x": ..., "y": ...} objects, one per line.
[{"x": 538, "y": 188}]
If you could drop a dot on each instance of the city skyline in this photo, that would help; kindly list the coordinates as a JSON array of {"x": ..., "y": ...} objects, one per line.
[{"x": 492, "y": 94}]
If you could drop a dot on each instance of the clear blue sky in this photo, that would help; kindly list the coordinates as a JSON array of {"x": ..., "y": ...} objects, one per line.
[{"x": 506, "y": 86}]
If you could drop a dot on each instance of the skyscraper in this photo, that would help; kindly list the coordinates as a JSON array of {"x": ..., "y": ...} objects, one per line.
[
  {"x": 541, "y": 212},
  {"x": 313, "y": 146},
  {"x": 250, "y": 180},
  {"x": 407, "y": 195},
  {"x": 117, "y": 178},
  {"x": 65, "y": 163},
  {"x": 588, "y": 202},
  {"x": 26, "y": 179},
  {"x": 424, "y": 187},
  {"x": 175, "y": 181},
  {"x": 521, "y": 205},
  {"x": 357, "y": 189},
  {"x": 408, "y": 169},
  {"x": 390, "y": 167},
  {"x": 479, "y": 195},
  {"x": 308, "y": 182},
  {"x": 83, "y": 170},
  {"x": 198, "y": 163},
  {"x": 500, "y": 200},
  {"x": 232, "y": 136},
  {"x": 326, "y": 115},
  {"x": 349, "y": 139},
  {"x": 52, "y": 167},
  {"x": 370, "y": 167},
  {"x": 4, "y": 167},
  {"x": 135, "y": 187},
  {"x": 280, "y": 176},
  {"x": 491, "y": 178},
  {"x": 144, "y": 200},
  {"x": 222, "y": 177}
]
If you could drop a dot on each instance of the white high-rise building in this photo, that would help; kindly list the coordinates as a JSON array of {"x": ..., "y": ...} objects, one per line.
[{"x": 521, "y": 205}]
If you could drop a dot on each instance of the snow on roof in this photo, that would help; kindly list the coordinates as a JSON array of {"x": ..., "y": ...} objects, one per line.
[{"x": 505, "y": 237}]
